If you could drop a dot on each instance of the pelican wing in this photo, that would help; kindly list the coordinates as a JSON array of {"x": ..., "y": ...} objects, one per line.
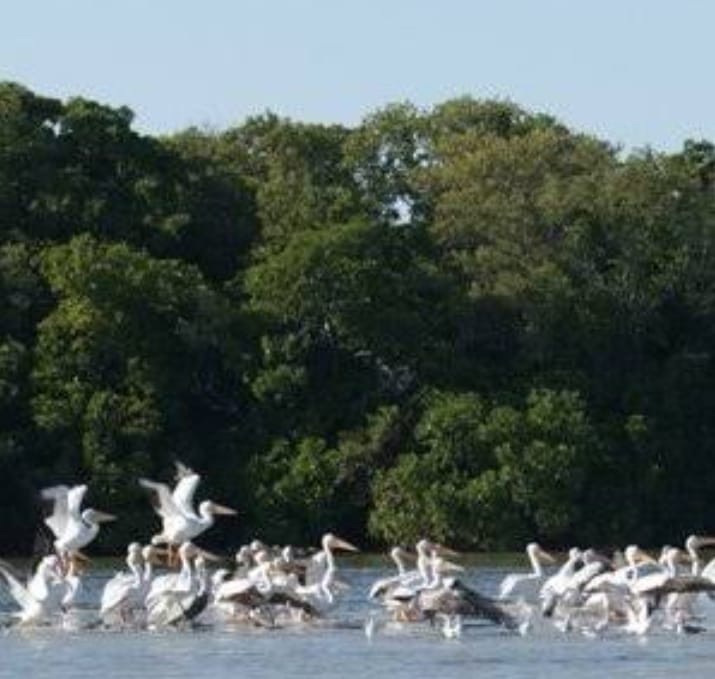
[
  {"x": 667, "y": 584},
  {"x": 315, "y": 568},
  {"x": 457, "y": 599},
  {"x": 709, "y": 570},
  {"x": 74, "y": 501},
  {"x": 161, "y": 499},
  {"x": 17, "y": 590},
  {"x": 117, "y": 591},
  {"x": 510, "y": 582},
  {"x": 287, "y": 599},
  {"x": 57, "y": 520},
  {"x": 183, "y": 495}
]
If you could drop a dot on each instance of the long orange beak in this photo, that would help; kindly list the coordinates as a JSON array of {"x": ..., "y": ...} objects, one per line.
[
  {"x": 220, "y": 509},
  {"x": 339, "y": 543}
]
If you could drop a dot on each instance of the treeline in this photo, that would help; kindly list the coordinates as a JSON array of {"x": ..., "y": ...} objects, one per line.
[{"x": 468, "y": 322}]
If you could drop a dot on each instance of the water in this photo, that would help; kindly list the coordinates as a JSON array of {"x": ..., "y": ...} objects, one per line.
[{"x": 339, "y": 648}]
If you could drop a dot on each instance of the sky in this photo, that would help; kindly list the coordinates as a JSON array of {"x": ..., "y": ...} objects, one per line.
[{"x": 635, "y": 72}]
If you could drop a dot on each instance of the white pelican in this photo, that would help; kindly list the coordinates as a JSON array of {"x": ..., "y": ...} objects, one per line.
[
  {"x": 558, "y": 584},
  {"x": 41, "y": 598},
  {"x": 123, "y": 592},
  {"x": 448, "y": 596},
  {"x": 526, "y": 586},
  {"x": 180, "y": 522},
  {"x": 381, "y": 587},
  {"x": 318, "y": 589},
  {"x": 72, "y": 529},
  {"x": 692, "y": 545}
]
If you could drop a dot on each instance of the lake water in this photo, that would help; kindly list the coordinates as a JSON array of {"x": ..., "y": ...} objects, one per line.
[{"x": 339, "y": 648}]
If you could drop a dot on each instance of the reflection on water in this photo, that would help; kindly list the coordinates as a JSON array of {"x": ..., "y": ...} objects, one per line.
[{"x": 339, "y": 648}]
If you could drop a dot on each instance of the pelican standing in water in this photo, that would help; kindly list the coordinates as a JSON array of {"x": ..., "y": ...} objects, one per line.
[
  {"x": 72, "y": 528},
  {"x": 526, "y": 586},
  {"x": 122, "y": 594},
  {"x": 320, "y": 584},
  {"x": 381, "y": 588}
]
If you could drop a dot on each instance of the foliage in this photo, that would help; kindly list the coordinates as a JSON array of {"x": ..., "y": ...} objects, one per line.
[{"x": 469, "y": 322}]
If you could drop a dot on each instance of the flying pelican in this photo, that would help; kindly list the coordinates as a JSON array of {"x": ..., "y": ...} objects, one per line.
[
  {"x": 41, "y": 598},
  {"x": 180, "y": 522},
  {"x": 72, "y": 529},
  {"x": 526, "y": 586}
]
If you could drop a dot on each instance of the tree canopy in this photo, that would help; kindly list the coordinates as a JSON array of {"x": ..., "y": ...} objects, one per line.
[{"x": 467, "y": 321}]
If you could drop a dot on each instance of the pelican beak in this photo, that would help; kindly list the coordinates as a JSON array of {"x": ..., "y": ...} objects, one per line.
[
  {"x": 546, "y": 556},
  {"x": 706, "y": 541},
  {"x": 339, "y": 543},
  {"x": 103, "y": 517},
  {"x": 444, "y": 551},
  {"x": 220, "y": 509},
  {"x": 209, "y": 556},
  {"x": 447, "y": 566}
]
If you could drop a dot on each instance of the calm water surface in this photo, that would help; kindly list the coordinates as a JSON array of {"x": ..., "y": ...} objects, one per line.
[{"x": 339, "y": 648}]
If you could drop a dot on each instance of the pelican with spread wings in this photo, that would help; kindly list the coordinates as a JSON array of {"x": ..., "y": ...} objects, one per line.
[
  {"x": 72, "y": 527},
  {"x": 180, "y": 520}
]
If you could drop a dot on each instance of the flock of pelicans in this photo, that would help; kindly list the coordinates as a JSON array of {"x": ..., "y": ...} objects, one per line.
[{"x": 172, "y": 582}]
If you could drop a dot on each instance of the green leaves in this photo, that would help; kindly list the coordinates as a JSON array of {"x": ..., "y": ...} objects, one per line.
[
  {"x": 468, "y": 322},
  {"x": 481, "y": 474}
]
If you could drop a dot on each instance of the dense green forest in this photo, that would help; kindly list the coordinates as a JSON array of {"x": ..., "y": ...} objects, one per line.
[{"x": 468, "y": 322}]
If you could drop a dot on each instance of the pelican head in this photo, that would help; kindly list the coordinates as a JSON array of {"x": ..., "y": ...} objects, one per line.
[
  {"x": 426, "y": 546},
  {"x": 441, "y": 565},
  {"x": 244, "y": 556},
  {"x": 635, "y": 555},
  {"x": 695, "y": 542},
  {"x": 331, "y": 541},
  {"x": 535, "y": 552}
]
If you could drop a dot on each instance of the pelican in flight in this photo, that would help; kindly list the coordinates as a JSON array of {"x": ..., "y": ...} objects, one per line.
[
  {"x": 42, "y": 597},
  {"x": 180, "y": 521},
  {"x": 73, "y": 529}
]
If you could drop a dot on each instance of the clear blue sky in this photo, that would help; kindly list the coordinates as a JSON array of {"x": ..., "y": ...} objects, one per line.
[{"x": 636, "y": 72}]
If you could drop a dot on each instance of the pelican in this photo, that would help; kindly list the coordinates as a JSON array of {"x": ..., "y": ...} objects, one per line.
[
  {"x": 448, "y": 596},
  {"x": 180, "y": 523},
  {"x": 41, "y": 598},
  {"x": 526, "y": 586},
  {"x": 557, "y": 585},
  {"x": 692, "y": 545},
  {"x": 123, "y": 592},
  {"x": 381, "y": 587},
  {"x": 72, "y": 529},
  {"x": 321, "y": 582},
  {"x": 168, "y": 594}
]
